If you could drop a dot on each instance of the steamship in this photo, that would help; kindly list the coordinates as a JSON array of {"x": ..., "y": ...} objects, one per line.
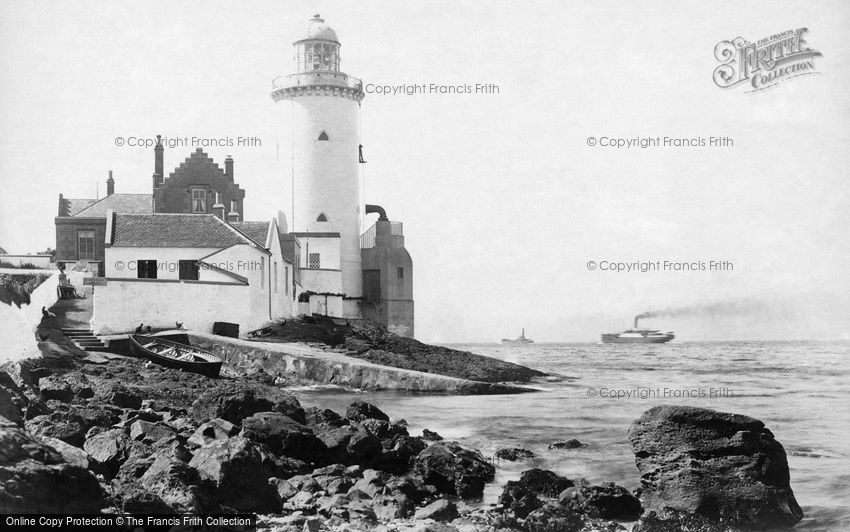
[
  {"x": 638, "y": 336},
  {"x": 521, "y": 340}
]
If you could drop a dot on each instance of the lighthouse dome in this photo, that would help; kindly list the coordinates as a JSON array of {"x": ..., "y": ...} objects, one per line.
[{"x": 318, "y": 29}]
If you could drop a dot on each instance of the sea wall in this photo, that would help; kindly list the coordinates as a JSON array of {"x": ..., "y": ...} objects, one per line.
[{"x": 327, "y": 367}]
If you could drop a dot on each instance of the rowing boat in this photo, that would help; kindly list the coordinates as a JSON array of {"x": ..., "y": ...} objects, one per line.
[{"x": 175, "y": 355}]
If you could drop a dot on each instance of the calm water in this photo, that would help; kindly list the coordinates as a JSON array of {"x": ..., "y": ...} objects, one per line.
[{"x": 798, "y": 389}]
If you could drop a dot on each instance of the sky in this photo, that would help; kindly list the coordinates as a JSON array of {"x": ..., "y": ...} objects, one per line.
[{"x": 504, "y": 202}]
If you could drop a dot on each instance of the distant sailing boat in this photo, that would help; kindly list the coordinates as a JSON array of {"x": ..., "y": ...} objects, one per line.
[{"x": 521, "y": 340}]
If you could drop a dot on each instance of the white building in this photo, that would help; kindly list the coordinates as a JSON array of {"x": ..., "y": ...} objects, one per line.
[
  {"x": 324, "y": 106},
  {"x": 195, "y": 269}
]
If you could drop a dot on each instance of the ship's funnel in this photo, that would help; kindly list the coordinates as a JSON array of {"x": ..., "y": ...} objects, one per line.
[{"x": 636, "y": 320}]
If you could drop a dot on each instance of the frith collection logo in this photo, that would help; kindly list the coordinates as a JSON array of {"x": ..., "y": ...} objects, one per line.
[{"x": 764, "y": 63}]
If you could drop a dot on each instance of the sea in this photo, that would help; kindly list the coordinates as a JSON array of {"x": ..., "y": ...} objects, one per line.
[{"x": 798, "y": 389}]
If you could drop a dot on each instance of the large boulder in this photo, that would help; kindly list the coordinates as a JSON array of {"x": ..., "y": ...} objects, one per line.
[
  {"x": 518, "y": 499},
  {"x": 672, "y": 520},
  {"x": 215, "y": 429},
  {"x": 726, "y": 467},
  {"x": 239, "y": 469},
  {"x": 171, "y": 480},
  {"x": 439, "y": 510},
  {"x": 54, "y": 387},
  {"x": 544, "y": 482},
  {"x": 360, "y": 410},
  {"x": 318, "y": 416},
  {"x": 13, "y": 402},
  {"x": 238, "y": 400},
  {"x": 284, "y": 436},
  {"x": 605, "y": 501},
  {"x": 34, "y": 478},
  {"x": 514, "y": 454},
  {"x": 454, "y": 470},
  {"x": 554, "y": 518},
  {"x": 349, "y": 444},
  {"x": 107, "y": 451}
]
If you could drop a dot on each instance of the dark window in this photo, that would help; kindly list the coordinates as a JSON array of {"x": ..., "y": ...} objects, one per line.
[
  {"x": 322, "y": 218},
  {"x": 146, "y": 269},
  {"x": 313, "y": 261},
  {"x": 400, "y": 273},
  {"x": 189, "y": 270},
  {"x": 199, "y": 200},
  {"x": 323, "y": 136},
  {"x": 85, "y": 244}
]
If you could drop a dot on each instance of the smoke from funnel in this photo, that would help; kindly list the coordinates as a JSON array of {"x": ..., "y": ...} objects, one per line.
[{"x": 738, "y": 307}]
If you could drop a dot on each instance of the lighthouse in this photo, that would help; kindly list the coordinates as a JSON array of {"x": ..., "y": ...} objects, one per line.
[{"x": 327, "y": 208}]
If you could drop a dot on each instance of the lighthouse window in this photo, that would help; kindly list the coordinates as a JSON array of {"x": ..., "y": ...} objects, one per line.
[
  {"x": 313, "y": 261},
  {"x": 322, "y": 218},
  {"x": 323, "y": 136}
]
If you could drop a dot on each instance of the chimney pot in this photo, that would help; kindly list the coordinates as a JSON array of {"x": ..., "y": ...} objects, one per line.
[
  {"x": 228, "y": 166},
  {"x": 110, "y": 185}
]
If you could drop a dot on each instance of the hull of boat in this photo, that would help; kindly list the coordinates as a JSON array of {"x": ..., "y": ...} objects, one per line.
[
  {"x": 505, "y": 341},
  {"x": 209, "y": 365},
  {"x": 617, "y": 339}
]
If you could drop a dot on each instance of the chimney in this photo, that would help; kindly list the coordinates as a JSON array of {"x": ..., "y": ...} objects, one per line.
[
  {"x": 233, "y": 215},
  {"x": 228, "y": 167},
  {"x": 157, "y": 162},
  {"x": 110, "y": 185},
  {"x": 218, "y": 208}
]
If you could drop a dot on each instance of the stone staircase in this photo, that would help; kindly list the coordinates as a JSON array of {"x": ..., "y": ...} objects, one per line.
[{"x": 85, "y": 339}]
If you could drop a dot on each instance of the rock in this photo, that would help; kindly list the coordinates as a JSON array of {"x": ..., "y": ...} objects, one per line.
[
  {"x": 312, "y": 524},
  {"x": 360, "y": 410},
  {"x": 284, "y": 488},
  {"x": 544, "y": 482},
  {"x": 672, "y": 520},
  {"x": 388, "y": 507},
  {"x": 107, "y": 451},
  {"x": 454, "y": 470},
  {"x": 318, "y": 416},
  {"x": 439, "y": 510},
  {"x": 372, "y": 483},
  {"x": 10, "y": 405},
  {"x": 305, "y": 483},
  {"x": 514, "y": 454},
  {"x": 349, "y": 444},
  {"x": 430, "y": 435},
  {"x": 553, "y": 518},
  {"x": 59, "y": 427},
  {"x": 399, "y": 458},
  {"x": 239, "y": 469},
  {"x": 237, "y": 400},
  {"x": 147, "y": 432},
  {"x": 177, "y": 484},
  {"x": 721, "y": 466},
  {"x": 333, "y": 484},
  {"x": 566, "y": 444},
  {"x": 605, "y": 501},
  {"x": 518, "y": 499},
  {"x": 215, "y": 429},
  {"x": 70, "y": 453},
  {"x": 124, "y": 398},
  {"x": 382, "y": 429},
  {"x": 144, "y": 502},
  {"x": 34, "y": 478},
  {"x": 284, "y": 436},
  {"x": 54, "y": 387}
]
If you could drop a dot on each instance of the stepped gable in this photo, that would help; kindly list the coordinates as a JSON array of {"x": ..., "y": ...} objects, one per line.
[{"x": 198, "y": 170}]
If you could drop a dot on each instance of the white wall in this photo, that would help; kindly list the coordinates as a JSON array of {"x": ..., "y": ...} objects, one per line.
[
  {"x": 328, "y": 248},
  {"x": 17, "y": 333},
  {"x": 120, "y": 306},
  {"x": 321, "y": 281}
]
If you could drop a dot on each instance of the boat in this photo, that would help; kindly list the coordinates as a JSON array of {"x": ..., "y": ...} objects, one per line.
[
  {"x": 638, "y": 336},
  {"x": 521, "y": 340},
  {"x": 175, "y": 355}
]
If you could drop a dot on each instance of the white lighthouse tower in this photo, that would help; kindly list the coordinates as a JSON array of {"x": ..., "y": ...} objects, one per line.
[{"x": 327, "y": 205}]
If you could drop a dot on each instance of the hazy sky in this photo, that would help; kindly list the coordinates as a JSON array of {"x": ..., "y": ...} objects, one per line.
[{"x": 503, "y": 201}]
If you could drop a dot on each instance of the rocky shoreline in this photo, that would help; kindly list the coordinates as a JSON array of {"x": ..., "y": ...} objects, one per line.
[{"x": 129, "y": 437}]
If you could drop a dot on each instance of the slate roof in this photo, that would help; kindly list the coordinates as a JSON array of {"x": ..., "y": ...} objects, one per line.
[
  {"x": 256, "y": 231},
  {"x": 123, "y": 203},
  {"x": 74, "y": 205},
  {"x": 174, "y": 231}
]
